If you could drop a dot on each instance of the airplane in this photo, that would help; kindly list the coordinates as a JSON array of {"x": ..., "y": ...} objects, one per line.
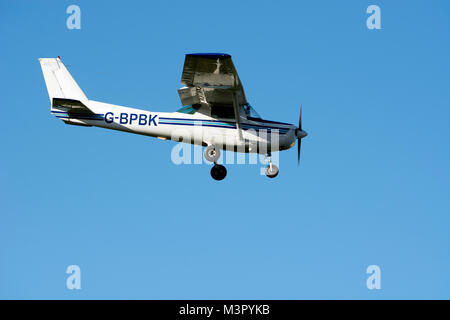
[{"x": 214, "y": 114}]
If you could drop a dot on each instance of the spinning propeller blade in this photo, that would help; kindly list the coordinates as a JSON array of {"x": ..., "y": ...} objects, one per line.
[
  {"x": 300, "y": 135},
  {"x": 299, "y": 140}
]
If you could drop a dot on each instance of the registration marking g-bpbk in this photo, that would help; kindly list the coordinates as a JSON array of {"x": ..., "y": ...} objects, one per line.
[{"x": 141, "y": 119}]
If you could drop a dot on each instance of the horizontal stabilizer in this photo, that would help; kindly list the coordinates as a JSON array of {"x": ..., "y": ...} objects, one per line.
[{"x": 71, "y": 105}]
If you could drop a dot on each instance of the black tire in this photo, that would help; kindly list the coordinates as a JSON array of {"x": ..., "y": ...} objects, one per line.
[
  {"x": 218, "y": 172},
  {"x": 272, "y": 173}
]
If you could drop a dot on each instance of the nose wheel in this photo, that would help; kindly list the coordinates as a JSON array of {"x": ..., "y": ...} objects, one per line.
[
  {"x": 271, "y": 169},
  {"x": 218, "y": 172}
]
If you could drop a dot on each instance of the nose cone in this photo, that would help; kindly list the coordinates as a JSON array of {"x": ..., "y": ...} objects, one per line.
[{"x": 301, "y": 134}]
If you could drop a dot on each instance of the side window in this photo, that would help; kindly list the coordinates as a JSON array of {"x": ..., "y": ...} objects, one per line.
[{"x": 222, "y": 111}]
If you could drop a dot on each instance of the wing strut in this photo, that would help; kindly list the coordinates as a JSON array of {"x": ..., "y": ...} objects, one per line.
[{"x": 236, "y": 111}]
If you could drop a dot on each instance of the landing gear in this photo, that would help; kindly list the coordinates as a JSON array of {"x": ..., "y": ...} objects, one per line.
[
  {"x": 218, "y": 172},
  {"x": 271, "y": 169},
  {"x": 212, "y": 153}
]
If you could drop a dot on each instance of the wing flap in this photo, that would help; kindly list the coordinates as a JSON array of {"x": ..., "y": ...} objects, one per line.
[{"x": 189, "y": 96}]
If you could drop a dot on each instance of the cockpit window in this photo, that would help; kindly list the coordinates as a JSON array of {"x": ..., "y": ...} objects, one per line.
[{"x": 250, "y": 112}]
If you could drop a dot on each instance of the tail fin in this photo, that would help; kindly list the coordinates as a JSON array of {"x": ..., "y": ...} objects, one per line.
[{"x": 60, "y": 84}]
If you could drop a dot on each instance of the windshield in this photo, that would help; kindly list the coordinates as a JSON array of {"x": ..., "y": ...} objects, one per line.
[{"x": 250, "y": 112}]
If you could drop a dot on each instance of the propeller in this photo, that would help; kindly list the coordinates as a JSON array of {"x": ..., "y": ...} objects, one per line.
[{"x": 300, "y": 134}]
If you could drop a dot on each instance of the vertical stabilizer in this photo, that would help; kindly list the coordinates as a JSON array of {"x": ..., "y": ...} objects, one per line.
[{"x": 59, "y": 81}]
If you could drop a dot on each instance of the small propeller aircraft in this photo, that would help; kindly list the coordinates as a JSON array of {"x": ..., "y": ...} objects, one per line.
[{"x": 215, "y": 112}]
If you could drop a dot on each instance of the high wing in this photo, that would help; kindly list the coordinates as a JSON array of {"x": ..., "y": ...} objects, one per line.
[{"x": 211, "y": 79}]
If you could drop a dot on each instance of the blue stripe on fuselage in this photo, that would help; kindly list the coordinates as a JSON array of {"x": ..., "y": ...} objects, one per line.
[{"x": 221, "y": 122}]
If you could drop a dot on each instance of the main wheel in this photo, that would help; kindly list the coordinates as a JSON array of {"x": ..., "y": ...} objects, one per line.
[
  {"x": 218, "y": 172},
  {"x": 212, "y": 153},
  {"x": 272, "y": 172}
]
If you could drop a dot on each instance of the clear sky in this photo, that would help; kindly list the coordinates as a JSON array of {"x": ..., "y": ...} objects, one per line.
[{"x": 372, "y": 189}]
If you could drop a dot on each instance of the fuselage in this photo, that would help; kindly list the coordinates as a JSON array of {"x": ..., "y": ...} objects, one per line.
[{"x": 258, "y": 135}]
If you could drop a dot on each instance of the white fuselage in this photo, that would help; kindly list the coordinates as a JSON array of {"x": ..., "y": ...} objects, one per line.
[{"x": 258, "y": 135}]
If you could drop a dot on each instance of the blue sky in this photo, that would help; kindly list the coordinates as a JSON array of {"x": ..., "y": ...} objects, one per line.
[{"x": 373, "y": 186}]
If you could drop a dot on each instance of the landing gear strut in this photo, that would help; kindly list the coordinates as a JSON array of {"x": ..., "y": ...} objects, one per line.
[
  {"x": 271, "y": 169},
  {"x": 212, "y": 154},
  {"x": 218, "y": 172}
]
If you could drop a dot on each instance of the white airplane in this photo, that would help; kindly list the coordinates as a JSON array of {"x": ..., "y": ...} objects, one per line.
[{"x": 215, "y": 112}]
